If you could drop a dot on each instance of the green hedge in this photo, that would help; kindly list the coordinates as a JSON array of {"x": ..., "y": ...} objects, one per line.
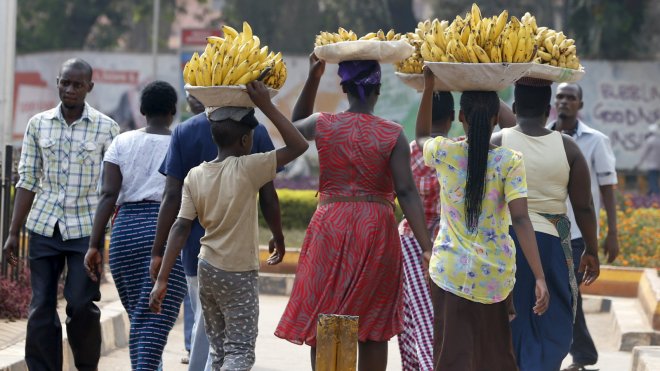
[{"x": 298, "y": 206}]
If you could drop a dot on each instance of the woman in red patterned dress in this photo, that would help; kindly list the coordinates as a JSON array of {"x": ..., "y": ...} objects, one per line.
[{"x": 350, "y": 262}]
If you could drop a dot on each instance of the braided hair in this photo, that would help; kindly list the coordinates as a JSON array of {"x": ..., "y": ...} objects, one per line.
[{"x": 479, "y": 108}]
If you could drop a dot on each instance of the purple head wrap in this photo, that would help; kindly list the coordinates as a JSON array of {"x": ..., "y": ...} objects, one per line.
[{"x": 359, "y": 73}]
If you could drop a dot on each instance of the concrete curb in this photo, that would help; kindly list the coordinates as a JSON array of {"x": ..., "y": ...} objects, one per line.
[
  {"x": 646, "y": 358},
  {"x": 276, "y": 284},
  {"x": 114, "y": 327}
]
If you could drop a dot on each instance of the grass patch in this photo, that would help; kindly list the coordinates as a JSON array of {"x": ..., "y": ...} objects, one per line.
[{"x": 292, "y": 237}]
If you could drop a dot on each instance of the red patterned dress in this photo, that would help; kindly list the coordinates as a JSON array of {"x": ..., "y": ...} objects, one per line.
[{"x": 350, "y": 261}]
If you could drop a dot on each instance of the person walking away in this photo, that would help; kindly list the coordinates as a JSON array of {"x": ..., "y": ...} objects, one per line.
[
  {"x": 416, "y": 340},
  {"x": 596, "y": 148},
  {"x": 59, "y": 169},
  {"x": 553, "y": 164},
  {"x": 136, "y": 187},
  {"x": 192, "y": 144},
  {"x": 472, "y": 268},
  {"x": 223, "y": 195},
  {"x": 350, "y": 261},
  {"x": 650, "y": 159},
  {"x": 195, "y": 107}
]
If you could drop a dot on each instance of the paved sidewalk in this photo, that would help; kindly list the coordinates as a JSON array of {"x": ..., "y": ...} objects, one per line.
[
  {"x": 12, "y": 333},
  {"x": 273, "y": 354}
]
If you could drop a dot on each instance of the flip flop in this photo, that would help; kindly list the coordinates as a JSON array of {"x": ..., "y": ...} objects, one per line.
[{"x": 578, "y": 367}]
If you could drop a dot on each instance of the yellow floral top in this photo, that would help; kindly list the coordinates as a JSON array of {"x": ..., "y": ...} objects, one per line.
[{"x": 477, "y": 266}]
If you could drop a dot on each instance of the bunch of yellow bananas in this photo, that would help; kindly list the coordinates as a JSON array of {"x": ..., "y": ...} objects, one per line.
[
  {"x": 415, "y": 63},
  {"x": 382, "y": 36},
  {"x": 326, "y": 38},
  {"x": 236, "y": 59},
  {"x": 555, "y": 49},
  {"x": 474, "y": 39}
]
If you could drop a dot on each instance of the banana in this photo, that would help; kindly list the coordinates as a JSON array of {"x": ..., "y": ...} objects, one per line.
[
  {"x": 426, "y": 52},
  {"x": 216, "y": 78},
  {"x": 186, "y": 69},
  {"x": 548, "y": 43},
  {"x": 566, "y": 43},
  {"x": 507, "y": 51},
  {"x": 369, "y": 36},
  {"x": 229, "y": 32},
  {"x": 560, "y": 38},
  {"x": 248, "y": 77},
  {"x": 562, "y": 61},
  {"x": 520, "y": 55},
  {"x": 569, "y": 51},
  {"x": 199, "y": 77},
  {"x": 496, "y": 54},
  {"x": 462, "y": 52},
  {"x": 215, "y": 40},
  {"x": 530, "y": 49},
  {"x": 481, "y": 54},
  {"x": 465, "y": 34},
  {"x": 545, "y": 57},
  {"x": 192, "y": 77},
  {"x": 475, "y": 18},
  {"x": 555, "y": 51},
  {"x": 499, "y": 25}
]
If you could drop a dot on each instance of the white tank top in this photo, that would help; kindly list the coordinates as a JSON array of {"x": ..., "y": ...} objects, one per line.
[{"x": 547, "y": 170}]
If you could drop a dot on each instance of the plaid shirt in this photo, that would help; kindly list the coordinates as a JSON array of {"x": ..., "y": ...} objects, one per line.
[
  {"x": 62, "y": 163},
  {"x": 429, "y": 190}
]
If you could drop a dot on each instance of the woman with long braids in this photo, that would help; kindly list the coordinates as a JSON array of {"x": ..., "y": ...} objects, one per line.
[{"x": 472, "y": 267}]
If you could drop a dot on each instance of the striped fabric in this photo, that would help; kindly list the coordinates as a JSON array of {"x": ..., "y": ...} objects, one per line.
[
  {"x": 416, "y": 342},
  {"x": 130, "y": 253},
  {"x": 62, "y": 163}
]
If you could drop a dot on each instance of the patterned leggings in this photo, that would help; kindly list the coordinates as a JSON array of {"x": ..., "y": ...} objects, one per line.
[
  {"x": 130, "y": 252},
  {"x": 416, "y": 341},
  {"x": 230, "y": 301}
]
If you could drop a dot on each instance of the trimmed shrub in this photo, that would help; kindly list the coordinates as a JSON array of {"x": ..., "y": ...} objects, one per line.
[
  {"x": 15, "y": 296},
  {"x": 298, "y": 206}
]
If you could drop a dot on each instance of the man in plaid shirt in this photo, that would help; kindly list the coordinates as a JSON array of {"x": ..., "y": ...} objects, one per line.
[{"x": 59, "y": 170}]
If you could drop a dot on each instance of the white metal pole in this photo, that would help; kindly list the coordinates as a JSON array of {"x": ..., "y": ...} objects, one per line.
[
  {"x": 8, "y": 45},
  {"x": 154, "y": 39}
]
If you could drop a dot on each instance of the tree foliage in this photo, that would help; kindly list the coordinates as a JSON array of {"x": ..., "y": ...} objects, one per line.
[
  {"x": 602, "y": 29},
  {"x": 608, "y": 29},
  {"x": 45, "y": 25},
  {"x": 291, "y": 25}
]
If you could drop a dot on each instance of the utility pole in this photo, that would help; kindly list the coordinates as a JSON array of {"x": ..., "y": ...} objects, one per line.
[
  {"x": 8, "y": 46},
  {"x": 154, "y": 39}
]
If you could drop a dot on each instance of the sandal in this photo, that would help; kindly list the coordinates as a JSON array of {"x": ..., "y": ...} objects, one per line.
[{"x": 578, "y": 367}]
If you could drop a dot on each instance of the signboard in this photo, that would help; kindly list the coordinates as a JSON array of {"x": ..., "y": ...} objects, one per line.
[{"x": 621, "y": 99}]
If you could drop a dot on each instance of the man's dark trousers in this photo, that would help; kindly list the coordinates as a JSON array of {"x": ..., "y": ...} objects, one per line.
[
  {"x": 43, "y": 345},
  {"x": 583, "y": 349}
]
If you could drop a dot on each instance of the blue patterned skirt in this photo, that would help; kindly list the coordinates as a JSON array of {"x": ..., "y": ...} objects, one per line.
[{"x": 132, "y": 237}]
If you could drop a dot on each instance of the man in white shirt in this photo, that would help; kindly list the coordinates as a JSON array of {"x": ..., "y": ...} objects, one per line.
[
  {"x": 599, "y": 155},
  {"x": 650, "y": 159}
]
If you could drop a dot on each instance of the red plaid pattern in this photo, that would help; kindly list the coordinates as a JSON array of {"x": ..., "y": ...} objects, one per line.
[
  {"x": 416, "y": 341},
  {"x": 429, "y": 190}
]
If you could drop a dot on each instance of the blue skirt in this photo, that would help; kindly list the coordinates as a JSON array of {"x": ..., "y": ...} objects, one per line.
[
  {"x": 132, "y": 237},
  {"x": 542, "y": 342}
]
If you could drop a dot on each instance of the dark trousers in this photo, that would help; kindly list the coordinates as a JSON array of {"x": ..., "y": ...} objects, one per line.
[
  {"x": 43, "y": 345},
  {"x": 583, "y": 349}
]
